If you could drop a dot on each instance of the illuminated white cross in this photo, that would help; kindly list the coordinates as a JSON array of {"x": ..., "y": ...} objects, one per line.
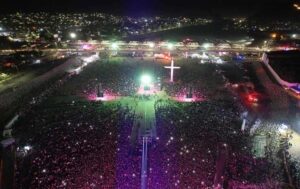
[{"x": 172, "y": 67}]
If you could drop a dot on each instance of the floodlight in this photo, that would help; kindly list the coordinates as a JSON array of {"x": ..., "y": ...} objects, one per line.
[
  {"x": 114, "y": 46},
  {"x": 146, "y": 79}
]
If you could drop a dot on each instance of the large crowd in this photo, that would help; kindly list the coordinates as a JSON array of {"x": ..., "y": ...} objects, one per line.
[
  {"x": 68, "y": 141},
  {"x": 74, "y": 143},
  {"x": 189, "y": 143}
]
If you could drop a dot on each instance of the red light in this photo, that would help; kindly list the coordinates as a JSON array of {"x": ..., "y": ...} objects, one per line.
[
  {"x": 252, "y": 98},
  {"x": 167, "y": 57}
]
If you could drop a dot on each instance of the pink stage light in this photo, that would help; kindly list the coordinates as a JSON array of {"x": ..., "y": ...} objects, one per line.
[{"x": 106, "y": 97}]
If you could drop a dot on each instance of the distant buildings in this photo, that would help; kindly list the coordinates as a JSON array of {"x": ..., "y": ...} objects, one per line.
[{"x": 87, "y": 25}]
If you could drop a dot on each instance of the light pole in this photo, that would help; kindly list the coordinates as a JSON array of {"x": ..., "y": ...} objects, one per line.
[
  {"x": 73, "y": 36},
  {"x": 170, "y": 46},
  {"x": 115, "y": 47}
]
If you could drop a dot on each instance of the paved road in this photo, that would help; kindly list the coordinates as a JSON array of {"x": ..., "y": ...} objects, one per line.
[
  {"x": 127, "y": 49},
  {"x": 283, "y": 106},
  {"x": 8, "y": 99},
  {"x": 143, "y": 129}
]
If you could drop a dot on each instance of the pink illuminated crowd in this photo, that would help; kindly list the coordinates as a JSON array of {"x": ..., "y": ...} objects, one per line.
[{"x": 73, "y": 142}]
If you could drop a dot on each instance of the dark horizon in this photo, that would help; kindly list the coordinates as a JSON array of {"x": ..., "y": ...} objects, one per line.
[{"x": 192, "y": 8}]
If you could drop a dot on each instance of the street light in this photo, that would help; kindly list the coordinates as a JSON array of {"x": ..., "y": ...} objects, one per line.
[
  {"x": 206, "y": 45},
  {"x": 294, "y": 35},
  {"x": 170, "y": 46},
  {"x": 151, "y": 45},
  {"x": 114, "y": 46},
  {"x": 73, "y": 35}
]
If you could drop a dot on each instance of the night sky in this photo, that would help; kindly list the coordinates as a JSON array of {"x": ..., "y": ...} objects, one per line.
[{"x": 149, "y": 7}]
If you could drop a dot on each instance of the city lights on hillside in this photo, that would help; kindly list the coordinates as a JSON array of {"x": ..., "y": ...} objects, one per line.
[{"x": 207, "y": 96}]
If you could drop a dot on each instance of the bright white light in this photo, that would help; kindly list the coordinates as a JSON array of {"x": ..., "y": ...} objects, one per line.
[
  {"x": 90, "y": 59},
  {"x": 1, "y": 28},
  {"x": 27, "y": 148},
  {"x": 114, "y": 46},
  {"x": 188, "y": 99},
  {"x": 170, "y": 46},
  {"x": 294, "y": 35},
  {"x": 204, "y": 56},
  {"x": 77, "y": 70},
  {"x": 283, "y": 128},
  {"x": 146, "y": 79},
  {"x": 206, "y": 45},
  {"x": 195, "y": 55},
  {"x": 151, "y": 45},
  {"x": 73, "y": 35},
  {"x": 219, "y": 61}
]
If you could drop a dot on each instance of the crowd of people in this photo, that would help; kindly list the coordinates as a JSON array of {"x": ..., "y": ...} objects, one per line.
[
  {"x": 188, "y": 145},
  {"x": 67, "y": 146},
  {"x": 68, "y": 141}
]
